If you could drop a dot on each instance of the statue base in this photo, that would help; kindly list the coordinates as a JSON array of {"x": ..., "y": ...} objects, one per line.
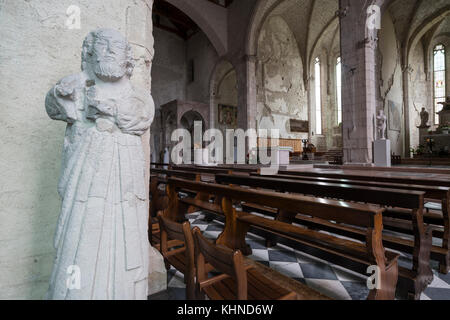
[
  {"x": 382, "y": 153},
  {"x": 157, "y": 273},
  {"x": 423, "y": 131}
]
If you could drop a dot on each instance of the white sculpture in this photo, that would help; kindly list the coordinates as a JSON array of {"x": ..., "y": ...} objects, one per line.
[
  {"x": 381, "y": 125},
  {"x": 102, "y": 227}
]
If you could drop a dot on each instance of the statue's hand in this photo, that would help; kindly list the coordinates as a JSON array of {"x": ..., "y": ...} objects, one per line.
[
  {"x": 91, "y": 97},
  {"x": 66, "y": 88}
]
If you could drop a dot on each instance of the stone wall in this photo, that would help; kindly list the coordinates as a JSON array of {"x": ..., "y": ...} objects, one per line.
[
  {"x": 36, "y": 50},
  {"x": 419, "y": 94},
  {"x": 169, "y": 77},
  {"x": 202, "y": 52}
]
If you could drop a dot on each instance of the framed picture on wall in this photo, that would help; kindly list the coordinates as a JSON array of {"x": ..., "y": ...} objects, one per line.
[
  {"x": 395, "y": 122},
  {"x": 299, "y": 126},
  {"x": 227, "y": 115}
]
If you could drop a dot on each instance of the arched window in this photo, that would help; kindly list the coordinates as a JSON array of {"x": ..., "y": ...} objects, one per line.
[
  {"x": 439, "y": 79},
  {"x": 338, "y": 90},
  {"x": 317, "y": 80}
]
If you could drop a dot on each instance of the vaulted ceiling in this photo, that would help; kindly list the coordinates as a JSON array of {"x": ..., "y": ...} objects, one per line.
[
  {"x": 223, "y": 3},
  {"x": 313, "y": 23},
  {"x": 171, "y": 19},
  {"x": 417, "y": 20}
]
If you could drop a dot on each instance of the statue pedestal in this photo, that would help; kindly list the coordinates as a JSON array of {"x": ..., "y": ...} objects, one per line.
[
  {"x": 444, "y": 117},
  {"x": 423, "y": 131},
  {"x": 157, "y": 273},
  {"x": 382, "y": 153}
]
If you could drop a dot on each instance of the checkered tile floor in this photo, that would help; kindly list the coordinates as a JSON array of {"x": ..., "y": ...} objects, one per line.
[{"x": 334, "y": 281}]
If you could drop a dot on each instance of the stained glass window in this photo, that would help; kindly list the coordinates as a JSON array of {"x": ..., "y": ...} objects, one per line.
[
  {"x": 317, "y": 80},
  {"x": 339, "y": 90},
  {"x": 439, "y": 79}
]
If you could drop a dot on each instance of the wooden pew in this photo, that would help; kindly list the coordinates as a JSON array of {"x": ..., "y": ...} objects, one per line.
[
  {"x": 237, "y": 280},
  {"x": 212, "y": 170},
  {"x": 415, "y": 280},
  {"x": 353, "y": 175},
  {"x": 159, "y": 200},
  {"x": 177, "y": 248},
  {"x": 394, "y": 169},
  {"x": 349, "y": 253},
  {"x": 438, "y": 194},
  {"x": 416, "y": 181}
]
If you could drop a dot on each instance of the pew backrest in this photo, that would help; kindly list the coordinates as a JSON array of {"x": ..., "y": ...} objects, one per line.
[{"x": 381, "y": 196}]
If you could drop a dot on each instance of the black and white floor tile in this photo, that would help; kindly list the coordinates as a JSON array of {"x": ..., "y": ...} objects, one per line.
[{"x": 334, "y": 281}]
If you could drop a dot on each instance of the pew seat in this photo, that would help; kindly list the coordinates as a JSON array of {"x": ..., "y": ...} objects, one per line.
[{"x": 236, "y": 281}]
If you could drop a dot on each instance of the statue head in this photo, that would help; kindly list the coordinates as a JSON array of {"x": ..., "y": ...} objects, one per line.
[{"x": 108, "y": 53}]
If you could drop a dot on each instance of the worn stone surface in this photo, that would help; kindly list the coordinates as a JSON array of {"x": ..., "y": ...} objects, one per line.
[
  {"x": 391, "y": 81},
  {"x": 281, "y": 91}
]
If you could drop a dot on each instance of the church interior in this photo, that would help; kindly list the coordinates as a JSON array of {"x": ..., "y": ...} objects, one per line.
[{"x": 225, "y": 150}]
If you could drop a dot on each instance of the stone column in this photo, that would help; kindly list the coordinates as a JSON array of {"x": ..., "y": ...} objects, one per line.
[
  {"x": 358, "y": 52},
  {"x": 39, "y": 46},
  {"x": 251, "y": 92},
  {"x": 139, "y": 32}
]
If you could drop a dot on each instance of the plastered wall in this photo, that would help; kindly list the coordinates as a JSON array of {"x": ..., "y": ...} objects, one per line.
[
  {"x": 391, "y": 84},
  {"x": 281, "y": 94}
]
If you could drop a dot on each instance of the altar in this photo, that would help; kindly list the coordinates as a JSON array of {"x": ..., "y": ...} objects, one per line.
[
  {"x": 441, "y": 142},
  {"x": 439, "y": 139}
]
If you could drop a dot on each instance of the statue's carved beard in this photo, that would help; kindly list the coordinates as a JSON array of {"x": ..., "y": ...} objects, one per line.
[{"x": 109, "y": 71}]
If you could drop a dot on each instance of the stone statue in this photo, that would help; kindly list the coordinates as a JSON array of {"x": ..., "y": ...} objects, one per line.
[
  {"x": 424, "y": 117},
  {"x": 381, "y": 125},
  {"x": 101, "y": 237}
]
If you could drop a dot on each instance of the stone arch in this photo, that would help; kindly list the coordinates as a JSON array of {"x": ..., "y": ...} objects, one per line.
[
  {"x": 222, "y": 69},
  {"x": 188, "y": 118},
  {"x": 212, "y": 19},
  {"x": 424, "y": 27}
]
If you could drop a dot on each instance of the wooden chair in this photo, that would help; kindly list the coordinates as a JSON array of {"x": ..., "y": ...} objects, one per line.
[
  {"x": 237, "y": 281},
  {"x": 177, "y": 248}
]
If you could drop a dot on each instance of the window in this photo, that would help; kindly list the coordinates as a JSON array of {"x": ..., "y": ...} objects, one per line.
[
  {"x": 317, "y": 80},
  {"x": 439, "y": 79},
  {"x": 338, "y": 90}
]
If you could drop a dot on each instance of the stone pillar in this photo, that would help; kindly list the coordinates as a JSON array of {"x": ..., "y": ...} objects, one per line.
[
  {"x": 251, "y": 91},
  {"x": 406, "y": 76},
  {"x": 38, "y": 47},
  {"x": 358, "y": 52}
]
